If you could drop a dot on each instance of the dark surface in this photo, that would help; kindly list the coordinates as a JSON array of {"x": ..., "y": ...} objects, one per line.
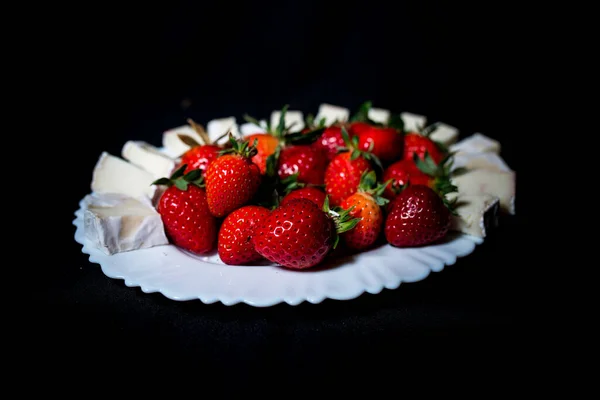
[{"x": 446, "y": 63}]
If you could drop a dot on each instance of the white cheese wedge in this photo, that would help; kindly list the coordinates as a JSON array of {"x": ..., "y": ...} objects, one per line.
[
  {"x": 149, "y": 158},
  {"x": 445, "y": 134},
  {"x": 217, "y": 127},
  {"x": 248, "y": 128},
  {"x": 293, "y": 119},
  {"x": 115, "y": 175},
  {"x": 490, "y": 161},
  {"x": 413, "y": 122},
  {"x": 379, "y": 115},
  {"x": 117, "y": 225},
  {"x": 477, "y": 213},
  {"x": 332, "y": 114},
  {"x": 173, "y": 146},
  {"x": 501, "y": 184},
  {"x": 477, "y": 143}
]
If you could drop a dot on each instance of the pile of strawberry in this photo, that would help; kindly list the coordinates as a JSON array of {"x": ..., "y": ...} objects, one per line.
[{"x": 298, "y": 197}]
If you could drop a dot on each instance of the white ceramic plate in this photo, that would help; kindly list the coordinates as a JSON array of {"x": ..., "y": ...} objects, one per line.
[{"x": 181, "y": 276}]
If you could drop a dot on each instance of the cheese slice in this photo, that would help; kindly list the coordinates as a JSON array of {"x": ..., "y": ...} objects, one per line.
[
  {"x": 445, "y": 134},
  {"x": 379, "y": 115},
  {"x": 477, "y": 214},
  {"x": 413, "y": 122},
  {"x": 173, "y": 146},
  {"x": 332, "y": 114},
  {"x": 149, "y": 158},
  {"x": 293, "y": 119},
  {"x": 501, "y": 184},
  {"x": 491, "y": 161},
  {"x": 115, "y": 175},
  {"x": 117, "y": 225},
  {"x": 217, "y": 127},
  {"x": 248, "y": 128},
  {"x": 477, "y": 143}
]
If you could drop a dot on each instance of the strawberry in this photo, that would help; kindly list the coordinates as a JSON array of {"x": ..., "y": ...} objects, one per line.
[
  {"x": 183, "y": 208},
  {"x": 419, "y": 143},
  {"x": 417, "y": 217},
  {"x": 199, "y": 155},
  {"x": 330, "y": 141},
  {"x": 235, "y": 235},
  {"x": 232, "y": 179},
  {"x": 365, "y": 205},
  {"x": 266, "y": 144},
  {"x": 400, "y": 174},
  {"x": 311, "y": 193},
  {"x": 299, "y": 234},
  {"x": 305, "y": 160},
  {"x": 343, "y": 173}
]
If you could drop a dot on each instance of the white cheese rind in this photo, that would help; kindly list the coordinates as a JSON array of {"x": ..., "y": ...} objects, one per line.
[
  {"x": 149, "y": 158},
  {"x": 491, "y": 161},
  {"x": 173, "y": 145},
  {"x": 379, "y": 115},
  {"x": 217, "y": 127},
  {"x": 413, "y": 122},
  {"x": 293, "y": 119},
  {"x": 477, "y": 214},
  {"x": 445, "y": 134},
  {"x": 501, "y": 184},
  {"x": 477, "y": 143},
  {"x": 123, "y": 225},
  {"x": 115, "y": 175},
  {"x": 332, "y": 114}
]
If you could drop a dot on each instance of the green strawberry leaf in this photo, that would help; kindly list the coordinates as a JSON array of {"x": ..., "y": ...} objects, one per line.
[{"x": 396, "y": 122}]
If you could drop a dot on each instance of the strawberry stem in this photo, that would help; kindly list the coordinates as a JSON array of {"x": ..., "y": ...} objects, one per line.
[
  {"x": 181, "y": 181},
  {"x": 342, "y": 220},
  {"x": 368, "y": 184},
  {"x": 199, "y": 129},
  {"x": 240, "y": 147}
]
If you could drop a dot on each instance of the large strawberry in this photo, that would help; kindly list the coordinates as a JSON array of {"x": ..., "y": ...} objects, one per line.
[
  {"x": 365, "y": 205},
  {"x": 183, "y": 208},
  {"x": 417, "y": 217},
  {"x": 299, "y": 234},
  {"x": 342, "y": 175},
  {"x": 232, "y": 179},
  {"x": 235, "y": 245},
  {"x": 200, "y": 154}
]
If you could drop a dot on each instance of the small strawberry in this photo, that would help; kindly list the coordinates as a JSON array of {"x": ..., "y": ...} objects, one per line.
[
  {"x": 330, "y": 141},
  {"x": 199, "y": 155},
  {"x": 400, "y": 174},
  {"x": 235, "y": 245},
  {"x": 299, "y": 190},
  {"x": 419, "y": 143},
  {"x": 343, "y": 173},
  {"x": 266, "y": 144},
  {"x": 299, "y": 234},
  {"x": 232, "y": 179},
  {"x": 305, "y": 160},
  {"x": 183, "y": 208},
  {"x": 417, "y": 217},
  {"x": 365, "y": 205}
]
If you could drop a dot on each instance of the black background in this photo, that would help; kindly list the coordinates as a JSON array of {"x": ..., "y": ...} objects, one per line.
[{"x": 133, "y": 67}]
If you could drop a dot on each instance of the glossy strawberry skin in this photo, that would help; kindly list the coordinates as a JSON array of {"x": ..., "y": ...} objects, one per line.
[
  {"x": 231, "y": 182},
  {"x": 418, "y": 144},
  {"x": 266, "y": 144},
  {"x": 342, "y": 177},
  {"x": 306, "y": 160},
  {"x": 234, "y": 243},
  {"x": 388, "y": 143},
  {"x": 417, "y": 217},
  {"x": 356, "y": 128},
  {"x": 402, "y": 172},
  {"x": 296, "y": 235},
  {"x": 367, "y": 231},
  {"x": 187, "y": 220},
  {"x": 199, "y": 157},
  {"x": 329, "y": 141},
  {"x": 311, "y": 193}
]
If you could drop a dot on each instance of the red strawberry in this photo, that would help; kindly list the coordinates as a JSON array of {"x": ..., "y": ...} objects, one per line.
[
  {"x": 311, "y": 193},
  {"x": 266, "y": 144},
  {"x": 415, "y": 143},
  {"x": 299, "y": 234},
  {"x": 400, "y": 174},
  {"x": 183, "y": 208},
  {"x": 342, "y": 175},
  {"x": 232, "y": 179},
  {"x": 330, "y": 141},
  {"x": 356, "y": 128},
  {"x": 305, "y": 160},
  {"x": 235, "y": 245},
  {"x": 365, "y": 205},
  {"x": 199, "y": 155},
  {"x": 417, "y": 216}
]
